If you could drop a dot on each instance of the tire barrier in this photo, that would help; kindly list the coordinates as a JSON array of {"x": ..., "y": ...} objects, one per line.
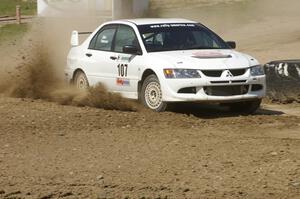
[{"x": 283, "y": 80}]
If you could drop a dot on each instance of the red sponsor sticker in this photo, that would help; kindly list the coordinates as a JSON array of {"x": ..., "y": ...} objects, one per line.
[{"x": 123, "y": 82}]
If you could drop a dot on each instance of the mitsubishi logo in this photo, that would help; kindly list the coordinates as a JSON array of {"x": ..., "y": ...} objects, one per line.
[{"x": 228, "y": 74}]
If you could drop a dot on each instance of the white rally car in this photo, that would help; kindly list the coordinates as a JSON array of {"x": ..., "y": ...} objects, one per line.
[{"x": 160, "y": 61}]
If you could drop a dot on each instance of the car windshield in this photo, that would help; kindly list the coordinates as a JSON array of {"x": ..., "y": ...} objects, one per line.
[{"x": 188, "y": 36}]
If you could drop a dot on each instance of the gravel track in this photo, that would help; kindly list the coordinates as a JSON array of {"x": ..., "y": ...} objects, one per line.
[{"x": 53, "y": 151}]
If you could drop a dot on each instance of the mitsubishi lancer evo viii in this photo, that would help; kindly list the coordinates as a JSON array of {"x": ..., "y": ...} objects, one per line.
[{"x": 160, "y": 61}]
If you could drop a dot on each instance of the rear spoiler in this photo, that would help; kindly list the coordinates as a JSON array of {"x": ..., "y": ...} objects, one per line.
[
  {"x": 75, "y": 37},
  {"x": 85, "y": 33}
]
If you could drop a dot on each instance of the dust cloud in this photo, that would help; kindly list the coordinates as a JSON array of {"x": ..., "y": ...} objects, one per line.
[{"x": 36, "y": 71}]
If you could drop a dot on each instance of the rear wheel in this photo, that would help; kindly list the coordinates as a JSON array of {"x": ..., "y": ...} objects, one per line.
[
  {"x": 151, "y": 94},
  {"x": 80, "y": 80},
  {"x": 246, "y": 107}
]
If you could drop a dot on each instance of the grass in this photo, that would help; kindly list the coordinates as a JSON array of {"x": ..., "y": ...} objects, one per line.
[
  {"x": 8, "y": 7},
  {"x": 12, "y": 31}
]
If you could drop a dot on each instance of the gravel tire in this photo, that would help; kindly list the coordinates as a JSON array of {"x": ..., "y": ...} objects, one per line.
[
  {"x": 151, "y": 94},
  {"x": 81, "y": 81}
]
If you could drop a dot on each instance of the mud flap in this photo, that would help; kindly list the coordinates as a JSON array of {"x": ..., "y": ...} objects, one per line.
[{"x": 283, "y": 80}]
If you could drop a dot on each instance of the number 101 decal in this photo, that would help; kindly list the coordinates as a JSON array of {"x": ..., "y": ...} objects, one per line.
[{"x": 122, "y": 70}]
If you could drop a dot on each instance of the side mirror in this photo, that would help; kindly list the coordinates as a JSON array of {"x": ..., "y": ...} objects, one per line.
[
  {"x": 231, "y": 44},
  {"x": 130, "y": 49},
  {"x": 74, "y": 38}
]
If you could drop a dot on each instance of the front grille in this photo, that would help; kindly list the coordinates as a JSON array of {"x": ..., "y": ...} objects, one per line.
[
  {"x": 220, "y": 82},
  {"x": 238, "y": 72},
  {"x": 226, "y": 90},
  {"x": 212, "y": 73},
  {"x": 218, "y": 73},
  {"x": 227, "y": 82},
  {"x": 239, "y": 81}
]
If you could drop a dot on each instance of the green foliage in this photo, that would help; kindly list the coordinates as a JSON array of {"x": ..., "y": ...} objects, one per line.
[
  {"x": 12, "y": 31},
  {"x": 8, "y": 7}
]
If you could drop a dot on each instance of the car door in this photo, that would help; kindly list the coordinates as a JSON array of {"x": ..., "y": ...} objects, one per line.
[
  {"x": 127, "y": 67},
  {"x": 101, "y": 59}
]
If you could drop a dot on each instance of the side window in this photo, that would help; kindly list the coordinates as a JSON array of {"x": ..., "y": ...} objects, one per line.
[
  {"x": 125, "y": 36},
  {"x": 103, "y": 40},
  {"x": 93, "y": 42}
]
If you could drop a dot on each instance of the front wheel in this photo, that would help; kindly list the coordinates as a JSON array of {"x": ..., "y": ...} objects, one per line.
[
  {"x": 151, "y": 94},
  {"x": 246, "y": 107}
]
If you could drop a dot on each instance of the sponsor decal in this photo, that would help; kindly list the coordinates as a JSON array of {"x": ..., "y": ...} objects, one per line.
[
  {"x": 172, "y": 25},
  {"x": 123, "y": 82},
  {"x": 126, "y": 58}
]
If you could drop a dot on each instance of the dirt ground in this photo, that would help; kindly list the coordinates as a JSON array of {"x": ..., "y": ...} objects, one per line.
[
  {"x": 54, "y": 151},
  {"x": 48, "y": 150}
]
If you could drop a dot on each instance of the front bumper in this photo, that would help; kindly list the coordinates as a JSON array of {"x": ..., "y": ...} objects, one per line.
[{"x": 181, "y": 90}]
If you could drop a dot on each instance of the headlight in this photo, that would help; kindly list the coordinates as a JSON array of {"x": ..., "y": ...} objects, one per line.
[
  {"x": 182, "y": 73},
  {"x": 257, "y": 70}
]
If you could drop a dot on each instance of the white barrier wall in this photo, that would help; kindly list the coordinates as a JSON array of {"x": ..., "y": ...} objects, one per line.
[{"x": 110, "y": 9}]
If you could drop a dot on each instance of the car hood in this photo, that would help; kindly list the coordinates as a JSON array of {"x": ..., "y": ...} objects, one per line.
[{"x": 205, "y": 59}]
